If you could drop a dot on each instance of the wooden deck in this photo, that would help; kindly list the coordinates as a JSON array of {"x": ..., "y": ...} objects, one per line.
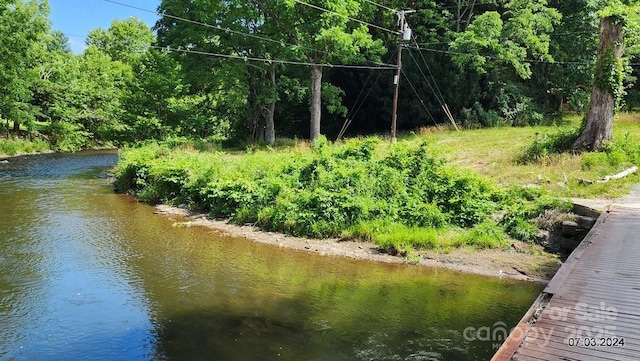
[{"x": 591, "y": 308}]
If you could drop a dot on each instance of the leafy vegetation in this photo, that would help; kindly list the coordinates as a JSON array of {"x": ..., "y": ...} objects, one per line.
[
  {"x": 546, "y": 145},
  {"x": 244, "y": 75},
  {"x": 497, "y": 63},
  {"x": 13, "y": 146},
  {"x": 497, "y": 153},
  {"x": 403, "y": 197}
]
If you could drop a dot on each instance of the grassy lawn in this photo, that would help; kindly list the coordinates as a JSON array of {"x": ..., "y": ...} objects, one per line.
[{"x": 495, "y": 152}]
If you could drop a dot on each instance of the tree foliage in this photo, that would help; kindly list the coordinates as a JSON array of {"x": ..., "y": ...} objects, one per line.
[
  {"x": 492, "y": 63},
  {"x": 617, "y": 18},
  {"x": 23, "y": 25},
  {"x": 125, "y": 40}
]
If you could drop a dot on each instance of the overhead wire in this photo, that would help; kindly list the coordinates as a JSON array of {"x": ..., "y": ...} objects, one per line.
[
  {"x": 437, "y": 91},
  {"x": 467, "y": 4},
  {"x": 381, "y": 6},
  {"x": 347, "y": 17},
  {"x": 352, "y": 113},
  {"x": 278, "y": 61},
  {"x": 552, "y": 35},
  {"x": 438, "y": 94},
  {"x": 424, "y": 105},
  {"x": 200, "y": 23},
  {"x": 228, "y": 30},
  {"x": 494, "y": 58},
  {"x": 75, "y": 35}
]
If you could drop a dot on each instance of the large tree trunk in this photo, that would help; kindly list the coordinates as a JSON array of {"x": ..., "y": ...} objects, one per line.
[
  {"x": 270, "y": 128},
  {"x": 607, "y": 84},
  {"x": 16, "y": 127},
  {"x": 254, "y": 109},
  {"x": 316, "y": 101}
]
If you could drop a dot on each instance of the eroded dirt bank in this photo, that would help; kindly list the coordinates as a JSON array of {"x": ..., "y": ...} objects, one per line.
[{"x": 517, "y": 262}]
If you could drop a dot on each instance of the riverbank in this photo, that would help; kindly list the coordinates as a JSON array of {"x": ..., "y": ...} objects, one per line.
[
  {"x": 8, "y": 157},
  {"x": 481, "y": 211},
  {"x": 520, "y": 261},
  {"x": 404, "y": 198},
  {"x": 5, "y": 157},
  {"x": 15, "y": 147}
]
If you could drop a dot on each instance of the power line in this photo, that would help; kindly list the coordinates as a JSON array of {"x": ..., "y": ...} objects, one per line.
[
  {"x": 419, "y": 98},
  {"x": 551, "y": 34},
  {"x": 278, "y": 61},
  {"x": 494, "y": 58},
  {"x": 381, "y": 6},
  {"x": 438, "y": 96},
  {"x": 352, "y": 113},
  {"x": 75, "y": 35},
  {"x": 346, "y": 17},
  {"x": 467, "y": 4},
  {"x": 217, "y": 27},
  {"x": 442, "y": 102}
]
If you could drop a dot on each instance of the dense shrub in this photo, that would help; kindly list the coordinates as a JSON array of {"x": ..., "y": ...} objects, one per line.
[
  {"x": 621, "y": 152},
  {"x": 545, "y": 145},
  {"x": 401, "y": 197},
  {"x": 13, "y": 146}
]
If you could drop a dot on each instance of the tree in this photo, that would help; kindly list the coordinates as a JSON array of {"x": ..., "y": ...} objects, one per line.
[
  {"x": 237, "y": 86},
  {"x": 325, "y": 37},
  {"x": 510, "y": 38},
  {"x": 22, "y": 25},
  {"x": 158, "y": 82},
  {"x": 567, "y": 81},
  {"x": 81, "y": 97},
  {"x": 125, "y": 40},
  {"x": 607, "y": 88}
]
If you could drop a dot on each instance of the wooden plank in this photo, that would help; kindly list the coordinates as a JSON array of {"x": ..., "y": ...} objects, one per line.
[
  {"x": 573, "y": 259},
  {"x": 603, "y": 271},
  {"x": 599, "y": 296},
  {"x": 513, "y": 341},
  {"x": 602, "y": 277},
  {"x": 620, "y": 323},
  {"x": 621, "y": 330},
  {"x": 621, "y": 307},
  {"x": 577, "y": 353}
]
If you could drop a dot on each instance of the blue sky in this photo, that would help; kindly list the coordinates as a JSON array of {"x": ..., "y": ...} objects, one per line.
[{"x": 76, "y": 18}]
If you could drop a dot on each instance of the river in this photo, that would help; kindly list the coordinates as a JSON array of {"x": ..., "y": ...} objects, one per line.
[{"x": 87, "y": 274}]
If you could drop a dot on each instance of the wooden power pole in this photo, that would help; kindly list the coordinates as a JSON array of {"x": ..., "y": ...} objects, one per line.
[{"x": 405, "y": 34}]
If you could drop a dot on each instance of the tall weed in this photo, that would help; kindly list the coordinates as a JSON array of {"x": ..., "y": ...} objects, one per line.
[{"x": 401, "y": 197}]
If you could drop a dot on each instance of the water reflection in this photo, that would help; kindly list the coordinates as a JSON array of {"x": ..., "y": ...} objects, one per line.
[
  {"x": 88, "y": 274},
  {"x": 63, "y": 293}
]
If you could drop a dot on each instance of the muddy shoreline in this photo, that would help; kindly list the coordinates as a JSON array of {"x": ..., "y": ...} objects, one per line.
[{"x": 517, "y": 262}]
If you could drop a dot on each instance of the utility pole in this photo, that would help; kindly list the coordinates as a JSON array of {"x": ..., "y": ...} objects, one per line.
[{"x": 405, "y": 34}]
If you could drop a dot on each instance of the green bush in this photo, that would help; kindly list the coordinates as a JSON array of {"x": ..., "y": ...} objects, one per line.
[
  {"x": 621, "y": 152},
  {"x": 522, "y": 206},
  {"x": 400, "y": 238},
  {"x": 487, "y": 234},
  {"x": 68, "y": 137},
  {"x": 13, "y": 146},
  {"x": 402, "y": 197},
  {"x": 545, "y": 145}
]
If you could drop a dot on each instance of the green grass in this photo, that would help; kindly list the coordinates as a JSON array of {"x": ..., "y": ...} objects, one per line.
[
  {"x": 13, "y": 146},
  {"x": 436, "y": 190},
  {"x": 402, "y": 197},
  {"x": 496, "y": 154}
]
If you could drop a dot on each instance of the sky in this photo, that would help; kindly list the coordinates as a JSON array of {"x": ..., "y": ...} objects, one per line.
[{"x": 76, "y": 18}]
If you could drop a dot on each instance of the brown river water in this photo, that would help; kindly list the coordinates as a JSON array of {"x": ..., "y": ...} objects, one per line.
[{"x": 87, "y": 274}]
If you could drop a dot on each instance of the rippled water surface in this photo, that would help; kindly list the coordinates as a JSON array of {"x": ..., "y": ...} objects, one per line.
[{"x": 86, "y": 274}]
